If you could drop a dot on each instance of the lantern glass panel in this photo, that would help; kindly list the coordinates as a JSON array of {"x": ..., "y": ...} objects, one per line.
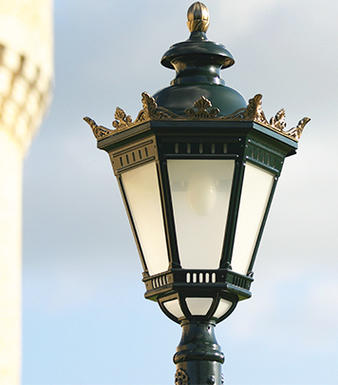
[
  {"x": 143, "y": 196},
  {"x": 199, "y": 306},
  {"x": 200, "y": 191},
  {"x": 222, "y": 308},
  {"x": 256, "y": 190},
  {"x": 174, "y": 308}
]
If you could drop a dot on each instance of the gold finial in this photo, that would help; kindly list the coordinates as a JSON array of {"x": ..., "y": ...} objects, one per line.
[{"x": 198, "y": 17}]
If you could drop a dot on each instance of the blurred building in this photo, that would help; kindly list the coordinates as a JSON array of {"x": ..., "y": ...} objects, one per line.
[{"x": 26, "y": 67}]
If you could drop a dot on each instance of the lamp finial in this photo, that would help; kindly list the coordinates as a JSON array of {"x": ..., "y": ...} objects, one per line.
[{"x": 198, "y": 17}]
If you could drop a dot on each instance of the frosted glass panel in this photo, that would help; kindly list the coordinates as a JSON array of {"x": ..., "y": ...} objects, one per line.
[
  {"x": 174, "y": 308},
  {"x": 143, "y": 196},
  {"x": 256, "y": 190},
  {"x": 199, "y": 306},
  {"x": 222, "y": 308},
  {"x": 200, "y": 191}
]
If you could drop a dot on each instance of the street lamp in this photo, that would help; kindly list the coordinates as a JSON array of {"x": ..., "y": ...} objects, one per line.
[{"x": 197, "y": 170}]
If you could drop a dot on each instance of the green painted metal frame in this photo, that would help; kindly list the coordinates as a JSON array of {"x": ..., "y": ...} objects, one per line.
[{"x": 162, "y": 140}]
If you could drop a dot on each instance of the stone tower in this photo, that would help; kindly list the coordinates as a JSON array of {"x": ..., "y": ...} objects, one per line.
[{"x": 26, "y": 66}]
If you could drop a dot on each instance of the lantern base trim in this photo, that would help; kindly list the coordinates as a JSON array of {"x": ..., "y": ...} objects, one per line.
[{"x": 181, "y": 280}]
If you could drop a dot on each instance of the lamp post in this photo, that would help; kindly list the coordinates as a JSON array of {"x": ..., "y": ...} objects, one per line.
[{"x": 197, "y": 170}]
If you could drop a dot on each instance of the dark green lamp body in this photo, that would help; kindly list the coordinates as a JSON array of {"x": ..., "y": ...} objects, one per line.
[
  {"x": 197, "y": 63},
  {"x": 197, "y": 170}
]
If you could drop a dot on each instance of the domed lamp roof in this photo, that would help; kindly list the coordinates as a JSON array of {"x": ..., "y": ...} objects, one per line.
[{"x": 197, "y": 62}]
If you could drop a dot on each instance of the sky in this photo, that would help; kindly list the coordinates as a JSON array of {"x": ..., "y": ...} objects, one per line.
[{"x": 85, "y": 321}]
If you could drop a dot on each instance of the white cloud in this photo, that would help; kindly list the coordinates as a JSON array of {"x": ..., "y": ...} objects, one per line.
[
  {"x": 321, "y": 313},
  {"x": 240, "y": 16}
]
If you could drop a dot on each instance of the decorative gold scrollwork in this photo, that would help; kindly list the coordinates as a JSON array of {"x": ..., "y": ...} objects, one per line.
[
  {"x": 296, "y": 132},
  {"x": 151, "y": 111},
  {"x": 181, "y": 377},
  {"x": 253, "y": 112},
  {"x": 202, "y": 110},
  {"x": 122, "y": 120},
  {"x": 98, "y": 131},
  {"x": 278, "y": 121}
]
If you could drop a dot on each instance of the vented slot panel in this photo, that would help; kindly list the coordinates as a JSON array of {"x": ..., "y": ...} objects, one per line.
[
  {"x": 197, "y": 148},
  {"x": 159, "y": 281},
  {"x": 134, "y": 155},
  {"x": 202, "y": 277}
]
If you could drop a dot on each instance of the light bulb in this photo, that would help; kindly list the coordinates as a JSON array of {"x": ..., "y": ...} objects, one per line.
[{"x": 201, "y": 193}]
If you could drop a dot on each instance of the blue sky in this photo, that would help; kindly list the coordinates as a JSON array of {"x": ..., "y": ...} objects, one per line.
[{"x": 85, "y": 319}]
